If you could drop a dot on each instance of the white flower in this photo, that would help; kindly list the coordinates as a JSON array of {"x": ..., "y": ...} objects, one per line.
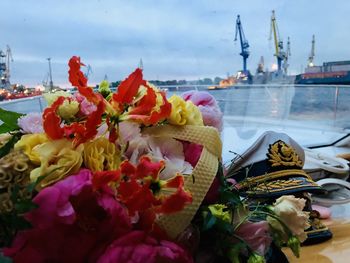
[
  {"x": 31, "y": 123},
  {"x": 137, "y": 148},
  {"x": 171, "y": 151},
  {"x": 129, "y": 131},
  {"x": 289, "y": 209}
]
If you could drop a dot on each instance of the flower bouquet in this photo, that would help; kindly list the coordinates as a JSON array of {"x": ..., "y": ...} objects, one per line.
[{"x": 129, "y": 176}]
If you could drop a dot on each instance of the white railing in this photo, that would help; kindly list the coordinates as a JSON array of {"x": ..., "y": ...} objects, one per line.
[{"x": 324, "y": 105}]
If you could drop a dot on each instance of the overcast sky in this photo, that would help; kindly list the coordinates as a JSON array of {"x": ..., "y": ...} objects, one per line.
[{"x": 176, "y": 39}]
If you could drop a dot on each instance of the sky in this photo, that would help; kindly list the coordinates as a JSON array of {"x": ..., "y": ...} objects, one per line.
[{"x": 176, "y": 39}]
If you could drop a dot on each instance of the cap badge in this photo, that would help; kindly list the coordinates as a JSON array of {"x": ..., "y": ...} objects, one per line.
[{"x": 281, "y": 154}]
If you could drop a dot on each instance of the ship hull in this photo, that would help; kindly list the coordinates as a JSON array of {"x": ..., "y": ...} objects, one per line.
[{"x": 326, "y": 78}]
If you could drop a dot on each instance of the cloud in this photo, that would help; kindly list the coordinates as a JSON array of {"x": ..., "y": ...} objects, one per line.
[{"x": 176, "y": 39}]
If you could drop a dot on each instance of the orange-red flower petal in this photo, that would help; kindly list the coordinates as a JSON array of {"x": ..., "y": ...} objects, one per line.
[
  {"x": 148, "y": 168},
  {"x": 128, "y": 88},
  {"x": 103, "y": 178},
  {"x": 175, "y": 202},
  {"x": 52, "y": 122},
  {"x": 146, "y": 104},
  {"x": 76, "y": 77}
]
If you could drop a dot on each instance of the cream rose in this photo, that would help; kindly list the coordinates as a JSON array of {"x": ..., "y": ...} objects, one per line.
[
  {"x": 52, "y": 97},
  {"x": 68, "y": 109},
  {"x": 289, "y": 209}
]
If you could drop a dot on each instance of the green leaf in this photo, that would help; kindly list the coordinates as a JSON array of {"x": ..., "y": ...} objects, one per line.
[
  {"x": 224, "y": 226},
  {"x": 4, "y": 259},
  {"x": 209, "y": 222},
  {"x": 25, "y": 206},
  {"x": 5, "y": 128},
  {"x": 234, "y": 252},
  {"x": 231, "y": 197},
  {"x": 9, "y": 145},
  {"x": 10, "y": 118}
]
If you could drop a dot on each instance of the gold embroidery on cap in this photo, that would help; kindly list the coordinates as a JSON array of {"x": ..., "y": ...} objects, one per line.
[
  {"x": 280, "y": 185},
  {"x": 273, "y": 176},
  {"x": 281, "y": 154}
]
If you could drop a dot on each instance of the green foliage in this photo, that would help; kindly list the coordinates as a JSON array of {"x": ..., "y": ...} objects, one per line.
[
  {"x": 228, "y": 194},
  {"x": 9, "y": 145},
  {"x": 4, "y": 259},
  {"x": 209, "y": 221},
  {"x": 12, "y": 222},
  {"x": 9, "y": 119}
]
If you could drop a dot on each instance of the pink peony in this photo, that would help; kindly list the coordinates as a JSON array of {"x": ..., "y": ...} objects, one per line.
[
  {"x": 86, "y": 107},
  {"x": 256, "y": 235},
  {"x": 171, "y": 151},
  {"x": 137, "y": 246},
  {"x": 192, "y": 152},
  {"x": 200, "y": 98},
  {"x": 73, "y": 223},
  {"x": 31, "y": 123},
  {"x": 211, "y": 113}
]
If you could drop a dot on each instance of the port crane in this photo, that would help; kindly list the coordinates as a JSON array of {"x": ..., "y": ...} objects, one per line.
[
  {"x": 279, "y": 52},
  {"x": 286, "y": 57},
  {"x": 5, "y": 59},
  {"x": 88, "y": 71},
  {"x": 50, "y": 75},
  {"x": 244, "y": 44},
  {"x": 312, "y": 53}
]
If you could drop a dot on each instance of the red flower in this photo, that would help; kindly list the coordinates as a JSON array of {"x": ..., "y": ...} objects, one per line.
[
  {"x": 128, "y": 89},
  {"x": 146, "y": 104},
  {"x": 77, "y": 79},
  {"x": 80, "y": 131},
  {"x": 51, "y": 121},
  {"x": 163, "y": 113},
  {"x": 102, "y": 178},
  {"x": 141, "y": 190},
  {"x": 145, "y": 111}
]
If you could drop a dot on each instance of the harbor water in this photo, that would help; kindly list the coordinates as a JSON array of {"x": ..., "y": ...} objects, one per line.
[{"x": 326, "y": 106}]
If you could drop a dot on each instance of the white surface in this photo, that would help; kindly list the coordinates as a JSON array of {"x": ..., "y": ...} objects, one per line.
[{"x": 239, "y": 134}]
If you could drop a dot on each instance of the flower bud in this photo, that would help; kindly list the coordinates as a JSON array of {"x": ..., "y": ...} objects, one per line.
[
  {"x": 220, "y": 211},
  {"x": 256, "y": 258},
  {"x": 294, "y": 244},
  {"x": 104, "y": 88}
]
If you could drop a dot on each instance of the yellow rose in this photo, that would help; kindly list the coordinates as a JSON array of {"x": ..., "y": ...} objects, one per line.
[
  {"x": 52, "y": 97},
  {"x": 100, "y": 155},
  {"x": 68, "y": 109},
  {"x": 58, "y": 160},
  {"x": 28, "y": 142},
  {"x": 178, "y": 115},
  {"x": 193, "y": 114}
]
